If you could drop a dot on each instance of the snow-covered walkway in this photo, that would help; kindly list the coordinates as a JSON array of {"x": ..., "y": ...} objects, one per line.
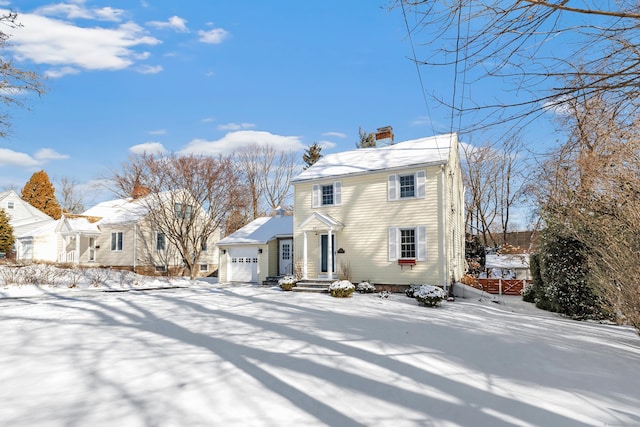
[{"x": 212, "y": 355}]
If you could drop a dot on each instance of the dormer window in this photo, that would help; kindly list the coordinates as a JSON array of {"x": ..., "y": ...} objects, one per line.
[{"x": 10, "y": 205}]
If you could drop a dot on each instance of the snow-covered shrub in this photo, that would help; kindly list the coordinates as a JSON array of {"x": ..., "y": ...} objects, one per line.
[
  {"x": 287, "y": 283},
  {"x": 529, "y": 292},
  {"x": 384, "y": 294},
  {"x": 429, "y": 295},
  {"x": 341, "y": 289},
  {"x": 410, "y": 291},
  {"x": 365, "y": 287}
]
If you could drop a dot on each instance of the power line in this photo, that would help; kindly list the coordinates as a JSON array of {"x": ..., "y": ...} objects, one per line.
[{"x": 415, "y": 61}]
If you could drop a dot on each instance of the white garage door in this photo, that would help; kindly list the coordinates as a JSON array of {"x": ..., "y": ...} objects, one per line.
[{"x": 243, "y": 264}]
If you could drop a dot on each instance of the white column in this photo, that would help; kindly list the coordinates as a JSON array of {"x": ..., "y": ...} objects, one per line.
[
  {"x": 304, "y": 255},
  {"x": 329, "y": 256},
  {"x": 77, "y": 248}
]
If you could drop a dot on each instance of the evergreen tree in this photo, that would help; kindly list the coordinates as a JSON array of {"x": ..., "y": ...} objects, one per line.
[
  {"x": 312, "y": 155},
  {"x": 6, "y": 233},
  {"x": 39, "y": 193},
  {"x": 367, "y": 139}
]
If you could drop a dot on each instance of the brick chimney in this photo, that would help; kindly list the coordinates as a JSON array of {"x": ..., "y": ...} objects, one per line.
[
  {"x": 139, "y": 191},
  {"x": 384, "y": 136}
]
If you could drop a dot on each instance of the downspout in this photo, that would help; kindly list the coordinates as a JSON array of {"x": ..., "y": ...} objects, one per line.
[
  {"x": 443, "y": 231},
  {"x": 135, "y": 245}
]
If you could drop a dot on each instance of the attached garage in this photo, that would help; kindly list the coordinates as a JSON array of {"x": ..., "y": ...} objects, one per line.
[
  {"x": 242, "y": 264},
  {"x": 259, "y": 250}
]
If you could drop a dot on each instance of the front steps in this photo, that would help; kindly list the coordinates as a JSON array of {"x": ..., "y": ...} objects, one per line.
[
  {"x": 313, "y": 285},
  {"x": 305, "y": 285}
]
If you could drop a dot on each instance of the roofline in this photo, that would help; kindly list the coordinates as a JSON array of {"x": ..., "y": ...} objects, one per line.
[
  {"x": 255, "y": 242},
  {"x": 397, "y": 168}
]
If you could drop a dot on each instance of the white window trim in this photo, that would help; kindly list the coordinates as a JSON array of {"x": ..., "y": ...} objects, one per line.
[
  {"x": 116, "y": 233},
  {"x": 316, "y": 194},
  {"x": 394, "y": 245},
  {"x": 165, "y": 241},
  {"x": 393, "y": 186}
]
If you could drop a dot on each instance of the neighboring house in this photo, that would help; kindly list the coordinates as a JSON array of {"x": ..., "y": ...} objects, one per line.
[
  {"x": 508, "y": 266},
  {"x": 263, "y": 248},
  {"x": 391, "y": 215},
  {"x": 127, "y": 239},
  {"x": 29, "y": 226}
]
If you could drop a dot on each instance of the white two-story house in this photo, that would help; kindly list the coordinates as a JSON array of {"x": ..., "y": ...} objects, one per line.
[{"x": 391, "y": 215}]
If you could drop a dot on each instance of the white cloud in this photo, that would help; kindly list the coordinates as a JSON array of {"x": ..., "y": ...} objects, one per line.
[
  {"x": 78, "y": 11},
  {"x": 208, "y": 120},
  {"x": 335, "y": 134},
  {"x": 236, "y": 126},
  {"x": 54, "y": 42},
  {"x": 45, "y": 154},
  {"x": 174, "y": 23},
  {"x": 14, "y": 158},
  {"x": 60, "y": 72},
  {"x": 213, "y": 36},
  {"x": 234, "y": 140},
  {"x": 148, "y": 148},
  {"x": 158, "y": 132},
  {"x": 326, "y": 145},
  {"x": 149, "y": 69}
]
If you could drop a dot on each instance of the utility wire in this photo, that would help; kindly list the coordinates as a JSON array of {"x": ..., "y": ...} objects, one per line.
[{"x": 415, "y": 61}]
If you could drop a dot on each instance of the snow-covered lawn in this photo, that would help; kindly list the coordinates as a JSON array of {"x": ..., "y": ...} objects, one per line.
[{"x": 213, "y": 355}]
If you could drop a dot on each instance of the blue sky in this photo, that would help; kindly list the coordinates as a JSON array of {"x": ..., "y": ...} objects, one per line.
[{"x": 207, "y": 77}]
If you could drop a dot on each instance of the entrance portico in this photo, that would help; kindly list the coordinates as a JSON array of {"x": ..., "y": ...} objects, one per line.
[{"x": 326, "y": 228}]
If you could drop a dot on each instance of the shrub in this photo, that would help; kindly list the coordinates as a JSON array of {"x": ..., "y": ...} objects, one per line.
[
  {"x": 287, "y": 283},
  {"x": 529, "y": 292},
  {"x": 341, "y": 289},
  {"x": 410, "y": 291},
  {"x": 429, "y": 295},
  {"x": 365, "y": 287}
]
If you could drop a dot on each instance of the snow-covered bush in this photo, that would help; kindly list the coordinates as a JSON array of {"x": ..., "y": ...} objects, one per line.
[
  {"x": 429, "y": 295},
  {"x": 365, "y": 287},
  {"x": 287, "y": 283},
  {"x": 341, "y": 289},
  {"x": 410, "y": 291},
  {"x": 529, "y": 292}
]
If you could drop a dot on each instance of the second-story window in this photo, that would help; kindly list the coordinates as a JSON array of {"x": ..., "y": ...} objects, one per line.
[
  {"x": 182, "y": 210},
  {"x": 407, "y": 185},
  {"x": 327, "y": 194}
]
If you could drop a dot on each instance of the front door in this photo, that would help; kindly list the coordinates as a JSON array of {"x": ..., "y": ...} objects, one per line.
[
  {"x": 324, "y": 253},
  {"x": 92, "y": 249},
  {"x": 285, "y": 265}
]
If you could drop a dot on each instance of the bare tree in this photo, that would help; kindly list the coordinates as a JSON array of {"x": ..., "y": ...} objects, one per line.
[
  {"x": 14, "y": 82},
  {"x": 545, "y": 53},
  {"x": 187, "y": 198},
  {"x": 71, "y": 198},
  {"x": 267, "y": 174},
  {"x": 495, "y": 178},
  {"x": 590, "y": 188},
  {"x": 278, "y": 168}
]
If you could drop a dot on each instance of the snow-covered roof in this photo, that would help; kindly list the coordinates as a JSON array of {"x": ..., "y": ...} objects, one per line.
[
  {"x": 26, "y": 229},
  {"x": 130, "y": 210},
  {"x": 80, "y": 225},
  {"x": 507, "y": 261},
  {"x": 430, "y": 150},
  {"x": 261, "y": 230},
  {"x": 118, "y": 211}
]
